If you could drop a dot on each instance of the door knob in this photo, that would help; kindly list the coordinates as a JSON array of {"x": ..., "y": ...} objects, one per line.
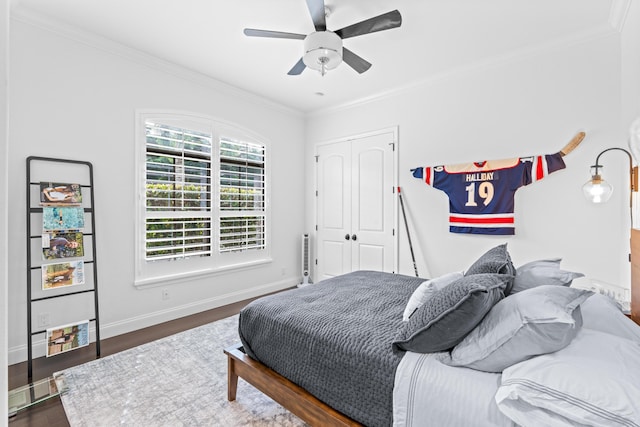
[
  {"x": 346, "y": 237},
  {"x": 354, "y": 237}
]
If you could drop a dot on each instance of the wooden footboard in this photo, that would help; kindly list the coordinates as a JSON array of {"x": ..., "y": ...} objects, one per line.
[{"x": 294, "y": 398}]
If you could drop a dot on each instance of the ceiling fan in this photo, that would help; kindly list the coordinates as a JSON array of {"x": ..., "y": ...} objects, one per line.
[{"x": 323, "y": 49}]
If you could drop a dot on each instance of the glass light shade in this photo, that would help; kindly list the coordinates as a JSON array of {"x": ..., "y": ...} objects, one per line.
[
  {"x": 634, "y": 139},
  {"x": 597, "y": 190},
  {"x": 323, "y": 51}
]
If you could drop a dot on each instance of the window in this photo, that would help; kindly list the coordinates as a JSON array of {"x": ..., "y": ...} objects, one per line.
[
  {"x": 178, "y": 189},
  {"x": 242, "y": 219},
  {"x": 203, "y": 197}
]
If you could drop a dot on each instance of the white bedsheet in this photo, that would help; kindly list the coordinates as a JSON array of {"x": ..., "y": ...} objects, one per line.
[{"x": 429, "y": 393}]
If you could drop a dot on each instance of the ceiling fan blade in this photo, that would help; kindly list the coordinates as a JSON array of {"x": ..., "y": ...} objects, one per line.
[
  {"x": 316, "y": 9},
  {"x": 297, "y": 69},
  {"x": 274, "y": 34},
  {"x": 355, "y": 61},
  {"x": 386, "y": 21}
]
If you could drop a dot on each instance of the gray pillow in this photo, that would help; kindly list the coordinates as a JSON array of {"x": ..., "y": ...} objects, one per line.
[
  {"x": 537, "y": 321},
  {"x": 451, "y": 313},
  {"x": 495, "y": 260},
  {"x": 542, "y": 272}
]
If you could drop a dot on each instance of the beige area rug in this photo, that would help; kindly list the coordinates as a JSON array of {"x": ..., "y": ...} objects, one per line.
[{"x": 179, "y": 380}]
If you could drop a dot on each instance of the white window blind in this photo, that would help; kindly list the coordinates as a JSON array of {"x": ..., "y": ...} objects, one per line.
[
  {"x": 203, "y": 197},
  {"x": 242, "y": 196},
  {"x": 178, "y": 188}
]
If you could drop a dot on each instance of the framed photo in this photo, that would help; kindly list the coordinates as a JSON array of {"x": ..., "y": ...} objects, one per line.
[
  {"x": 62, "y": 244},
  {"x": 63, "y": 274},
  {"x": 62, "y": 218},
  {"x": 62, "y": 339},
  {"x": 60, "y": 194}
]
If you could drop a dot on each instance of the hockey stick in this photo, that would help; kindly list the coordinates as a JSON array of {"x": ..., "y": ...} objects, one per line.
[
  {"x": 406, "y": 224},
  {"x": 572, "y": 144}
]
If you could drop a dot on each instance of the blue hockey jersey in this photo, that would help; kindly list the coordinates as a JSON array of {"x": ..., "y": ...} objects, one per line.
[{"x": 481, "y": 194}]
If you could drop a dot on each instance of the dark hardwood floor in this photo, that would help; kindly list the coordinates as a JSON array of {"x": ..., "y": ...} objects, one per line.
[{"x": 51, "y": 412}]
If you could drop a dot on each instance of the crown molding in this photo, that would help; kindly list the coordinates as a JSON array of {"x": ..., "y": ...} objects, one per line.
[
  {"x": 488, "y": 63},
  {"x": 30, "y": 17},
  {"x": 618, "y": 14},
  {"x": 616, "y": 21}
]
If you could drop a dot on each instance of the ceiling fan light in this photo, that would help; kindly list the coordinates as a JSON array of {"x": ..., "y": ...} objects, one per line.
[{"x": 322, "y": 51}]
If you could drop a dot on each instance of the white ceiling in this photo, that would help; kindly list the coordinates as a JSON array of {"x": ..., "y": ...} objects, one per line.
[{"x": 437, "y": 37}]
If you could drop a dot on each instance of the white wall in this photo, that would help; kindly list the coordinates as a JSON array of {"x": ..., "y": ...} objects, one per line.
[
  {"x": 630, "y": 42},
  {"x": 4, "y": 163},
  {"x": 71, "y": 99},
  {"x": 525, "y": 104},
  {"x": 77, "y": 99}
]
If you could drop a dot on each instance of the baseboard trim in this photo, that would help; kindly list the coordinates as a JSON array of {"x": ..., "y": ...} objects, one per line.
[{"x": 18, "y": 354}]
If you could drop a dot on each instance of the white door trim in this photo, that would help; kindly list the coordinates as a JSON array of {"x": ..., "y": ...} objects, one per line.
[{"x": 394, "y": 130}]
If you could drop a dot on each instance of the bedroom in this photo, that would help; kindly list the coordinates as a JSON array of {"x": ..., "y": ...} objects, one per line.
[{"x": 67, "y": 85}]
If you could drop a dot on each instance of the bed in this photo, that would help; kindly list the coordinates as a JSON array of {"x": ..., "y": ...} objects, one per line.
[{"x": 346, "y": 352}]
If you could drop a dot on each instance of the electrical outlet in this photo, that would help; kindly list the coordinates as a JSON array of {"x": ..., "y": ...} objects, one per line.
[
  {"x": 43, "y": 320},
  {"x": 165, "y": 294}
]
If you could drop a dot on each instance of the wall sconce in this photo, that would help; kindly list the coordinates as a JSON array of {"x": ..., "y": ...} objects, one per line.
[{"x": 597, "y": 190}]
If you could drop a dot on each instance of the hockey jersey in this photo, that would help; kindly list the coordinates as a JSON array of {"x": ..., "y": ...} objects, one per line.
[{"x": 481, "y": 194}]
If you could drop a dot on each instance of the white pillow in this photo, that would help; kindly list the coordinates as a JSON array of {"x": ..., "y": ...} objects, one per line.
[
  {"x": 542, "y": 272},
  {"x": 428, "y": 288},
  {"x": 593, "y": 381},
  {"x": 535, "y": 321},
  {"x": 603, "y": 314}
]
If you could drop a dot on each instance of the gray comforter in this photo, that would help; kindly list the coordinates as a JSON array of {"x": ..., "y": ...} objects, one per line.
[{"x": 334, "y": 339}]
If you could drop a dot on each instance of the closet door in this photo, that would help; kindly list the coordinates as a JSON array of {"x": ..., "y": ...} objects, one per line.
[
  {"x": 334, "y": 210},
  {"x": 372, "y": 203},
  {"x": 356, "y": 205}
]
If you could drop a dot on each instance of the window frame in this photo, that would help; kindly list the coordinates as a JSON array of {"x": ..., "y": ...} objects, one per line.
[
  {"x": 155, "y": 273},
  {"x": 227, "y": 214}
]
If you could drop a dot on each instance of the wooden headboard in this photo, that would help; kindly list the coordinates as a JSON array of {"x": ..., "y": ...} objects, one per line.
[{"x": 635, "y": 275}]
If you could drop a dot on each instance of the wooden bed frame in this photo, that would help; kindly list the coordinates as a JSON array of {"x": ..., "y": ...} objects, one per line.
[
  {"x": 293, "y": 397},
  {"x": 301, "y": 403}
]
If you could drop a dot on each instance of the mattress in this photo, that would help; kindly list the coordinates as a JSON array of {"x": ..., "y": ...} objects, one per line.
[{"x": 428, "y": 392}]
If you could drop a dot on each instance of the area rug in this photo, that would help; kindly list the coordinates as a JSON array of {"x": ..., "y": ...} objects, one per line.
[{"x": 180, "y": 380}]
